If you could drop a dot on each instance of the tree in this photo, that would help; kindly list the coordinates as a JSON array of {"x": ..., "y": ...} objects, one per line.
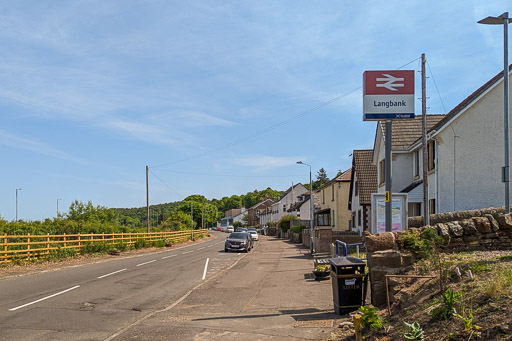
[
  {"x": 81, "y": 213},
  {"x": 321, "y": 179}
]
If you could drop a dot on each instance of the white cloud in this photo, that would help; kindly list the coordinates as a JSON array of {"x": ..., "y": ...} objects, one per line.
[
  {"x": 264, "y": 163},
  {"x": 14, "y": 141}
]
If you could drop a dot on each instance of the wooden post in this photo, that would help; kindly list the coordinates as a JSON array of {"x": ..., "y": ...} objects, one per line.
[
  {"x": 28, "y": 246},
  {"x": 79, "y": 242},
  {"x": 65, "y": 243},
  {"x": 47, "y": 243},
  {"x": 5, "y": 247}
]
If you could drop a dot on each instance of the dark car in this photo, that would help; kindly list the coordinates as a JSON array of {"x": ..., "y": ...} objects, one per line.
[{"x": 238, "y": 241}]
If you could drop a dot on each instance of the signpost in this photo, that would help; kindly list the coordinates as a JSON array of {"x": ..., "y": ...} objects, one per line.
[{"x": 388, "y": 95}]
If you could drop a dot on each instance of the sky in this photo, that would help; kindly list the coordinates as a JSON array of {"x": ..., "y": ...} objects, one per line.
[{"x": 215, "y": 97}]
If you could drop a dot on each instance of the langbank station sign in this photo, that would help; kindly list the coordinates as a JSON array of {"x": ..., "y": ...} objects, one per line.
[{"x": 388, "y": 95}]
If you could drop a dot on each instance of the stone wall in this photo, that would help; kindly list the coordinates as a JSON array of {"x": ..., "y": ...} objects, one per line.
[{"x": 488, "y": 229}]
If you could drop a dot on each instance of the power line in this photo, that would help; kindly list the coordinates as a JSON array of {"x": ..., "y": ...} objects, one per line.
[
  {"x": 435, "y": 84},
  {"x": 166, "y": 185},
  {"x": 230, "y": 175},
  {"x": 268, "y": 129}
]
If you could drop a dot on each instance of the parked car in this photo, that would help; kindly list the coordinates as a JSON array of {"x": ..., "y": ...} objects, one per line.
[
  {"x": 238, "y": 241},
  {"x": 254, "y": 234},
  {"x": 219, "y": 228},
  {"x": 230, "y": 229}
]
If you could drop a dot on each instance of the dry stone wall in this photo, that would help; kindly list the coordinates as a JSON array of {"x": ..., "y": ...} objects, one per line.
[{"x": 489, "y": 229}]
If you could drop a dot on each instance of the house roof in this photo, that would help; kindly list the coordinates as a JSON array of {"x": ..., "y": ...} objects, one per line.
[
  {"x": 345, "y": 176},
  {"x": 285, "y": 193},
  {"x": 406, "y": 132},
  {"x": 468, "y": 101},
  {"x": 265, "y": 202},
  {"x": 412, "y": 186},
  {"x": 366, "y": 174}
]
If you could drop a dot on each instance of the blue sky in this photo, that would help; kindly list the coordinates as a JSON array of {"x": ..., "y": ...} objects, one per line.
[{"x": 217, "y": 98}]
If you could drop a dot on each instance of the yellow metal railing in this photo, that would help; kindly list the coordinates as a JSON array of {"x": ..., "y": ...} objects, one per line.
[{"x": 39, "y": 246}]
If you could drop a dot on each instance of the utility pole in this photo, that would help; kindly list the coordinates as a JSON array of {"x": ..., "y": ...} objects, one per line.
[
  {"x": 426, "y": 213},
  {"x": 147, "y": 194},
  {"x": 387, "y": 171},
  {"x": 202, "y": 217},
  {"x": 17, "y": 189}
]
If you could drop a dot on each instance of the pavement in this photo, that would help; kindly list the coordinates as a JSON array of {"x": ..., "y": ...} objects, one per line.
[{"x": 268, "y": 294}]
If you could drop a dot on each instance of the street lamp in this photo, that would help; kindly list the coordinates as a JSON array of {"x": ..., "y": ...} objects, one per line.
[
  {"x": 311, "y": 207},
  {"x": 17, "y": 189},
  {"x": 504, "y": 20},
  {"x": 58, "y": 207}
]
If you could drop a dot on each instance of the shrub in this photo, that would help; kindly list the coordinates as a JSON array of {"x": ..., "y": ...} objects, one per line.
[
  {"x": 140, "y": 243},
  {"x": 284, "y": 222},
  {"x": 96, "y": 247},
  {"x": 62, "y": 253},
  {"x": 445, "y": 308},
  {"x": 159, "y": 243},
  {"x": 298, "y": 228},
  {"x": 369, "y": 317}
]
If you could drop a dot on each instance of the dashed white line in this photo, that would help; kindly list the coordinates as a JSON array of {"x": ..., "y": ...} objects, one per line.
[
  {"x": 151, "y": 261},
  {"x": 44, "y": 298},
  {"x": 201, "y": 248},
  {"x": 112, "y": 273},
  {"x": 210, "y": 245},
  {"x": 184, "y": 253},
  {"x": 169, "y": 256}
]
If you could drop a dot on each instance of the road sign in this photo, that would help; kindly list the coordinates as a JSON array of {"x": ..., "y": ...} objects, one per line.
[{"x": 388, "y": 95}]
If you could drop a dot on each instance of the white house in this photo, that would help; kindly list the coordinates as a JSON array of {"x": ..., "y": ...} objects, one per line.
[
  {"x": 286, "y": 200},
  {"x": 406, "y": 162},
  {"x": 465, "y": 152}
]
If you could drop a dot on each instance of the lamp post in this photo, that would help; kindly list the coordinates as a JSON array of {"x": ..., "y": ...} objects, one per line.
[
  {"x": 58, "y": 207},
  {"x": 17, "y": 189},
  {"x": 504, "y": 20},
  {"x": 311, "y": 208}
]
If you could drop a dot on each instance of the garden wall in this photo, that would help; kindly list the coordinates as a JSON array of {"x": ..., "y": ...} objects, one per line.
[{"x": 475, "y": 230}]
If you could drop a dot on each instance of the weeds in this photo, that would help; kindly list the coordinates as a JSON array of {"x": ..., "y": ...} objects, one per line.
[
  {"x": 445, "y": 308},
  {"x": 61, "y": 254},
  {"x": 499, "y": 283},
  {"x": 369, "y": 317},
  {"x": 415, "y": 331},
  {"x": 159, "y": 243},
  {"x": 140, "y": 243}
]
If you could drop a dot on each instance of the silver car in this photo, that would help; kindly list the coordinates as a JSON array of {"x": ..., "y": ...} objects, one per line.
[{"x": 238, "y": 241}]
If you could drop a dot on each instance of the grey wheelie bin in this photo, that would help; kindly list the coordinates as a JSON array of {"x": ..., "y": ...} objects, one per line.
[{"x": 348, "y": 283}]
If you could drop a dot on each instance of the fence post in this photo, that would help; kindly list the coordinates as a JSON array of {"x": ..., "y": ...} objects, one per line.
[
  {"x": 28, "y": 246},
  {"x": 65, "y": 243},
  {"x": 79, "y": 242},
  {"x": 47, "y": 243},
  {"x": 5, "y": 247}
]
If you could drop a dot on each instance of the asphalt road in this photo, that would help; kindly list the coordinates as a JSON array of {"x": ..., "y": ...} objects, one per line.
[{"x": 98, "y": 301}]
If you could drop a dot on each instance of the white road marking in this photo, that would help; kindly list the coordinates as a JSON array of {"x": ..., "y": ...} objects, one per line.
[
  {"x": 44, "y": 298},
  {"x": 205, "y": 268},
  {"x": 210, "y": 245},
  {"x": 201, "y": 248},
  {"x": 112, "y": 273},
  {"x": 184, "y": 253},
  {"x": 151, "y": 261},
  {"x": 169, "y": 256}
]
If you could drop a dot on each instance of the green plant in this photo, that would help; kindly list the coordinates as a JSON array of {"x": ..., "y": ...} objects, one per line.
[
  {"x": 140, "y": 243},
  {"x": 322, "y": 267},
  {"x": 415, "y": 331},
  {"x": 61, "y": 253},
  {"x": 505, "y": 258},
  {"x": 370, "y": 318},
  {"x": 445, "y": 308},
  {"x": 469, "y": 326},
  {"x": 96, "y": 247},
  {"x": 159, "y": 243},
  {"x": 298, "y": 228},
  {"x": 121, "y": 246}
]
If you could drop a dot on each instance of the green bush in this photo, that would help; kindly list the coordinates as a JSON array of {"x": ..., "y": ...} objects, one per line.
[
  {"x": 62, "y": 253},
  {"x": 284, "y": 222},
  {"x": 298, "y": 228},
  {"x": 121, "y": 246},
  {"x": 140, "y": 243},
  {"x": 159, "y": 243},
  {"x": 97, "y": 247}
]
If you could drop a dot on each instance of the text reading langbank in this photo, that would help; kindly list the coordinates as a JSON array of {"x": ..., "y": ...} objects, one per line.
[{"x": 389, "y": 104}]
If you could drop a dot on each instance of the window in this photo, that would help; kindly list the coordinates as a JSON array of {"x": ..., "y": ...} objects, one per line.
[
  {"x": 359, "y": 222},
  {"x": 356, "y": 189},
  {"x": 382, "y": 169},
  {"x": 431, "y": 152},
  {"x": 432, "y": 206},
  {"x": 332, "y": 188},
  {"x": 284, "y": 208},
  {"x": 323, "y": 219},
  {"x": 417, "y": 163}
]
